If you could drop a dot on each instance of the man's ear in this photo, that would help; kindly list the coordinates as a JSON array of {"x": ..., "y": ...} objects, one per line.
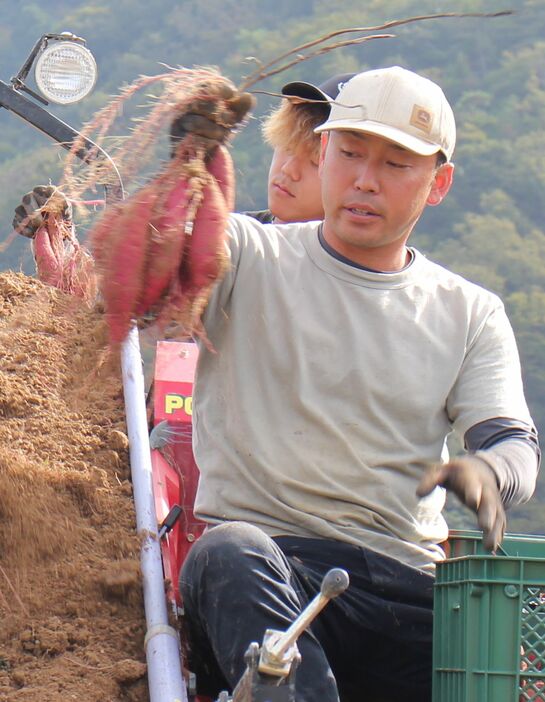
[
  {"x": 324, "y": 136},
  {"x": 441, "y": 183}
]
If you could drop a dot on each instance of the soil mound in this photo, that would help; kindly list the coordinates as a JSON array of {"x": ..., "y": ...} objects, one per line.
[{"x": 72, "y": 618}]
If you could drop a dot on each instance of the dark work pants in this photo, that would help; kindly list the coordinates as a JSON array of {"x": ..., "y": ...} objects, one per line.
[{"x": 372, "y": 643}]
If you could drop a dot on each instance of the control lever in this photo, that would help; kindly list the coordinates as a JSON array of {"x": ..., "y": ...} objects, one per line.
[
  {"x": 277, "y": 650},
  {"x": 270, "y": 671}
]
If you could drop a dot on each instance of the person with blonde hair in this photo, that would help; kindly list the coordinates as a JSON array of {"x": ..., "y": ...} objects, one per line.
[{"x": 293, "y": 190}]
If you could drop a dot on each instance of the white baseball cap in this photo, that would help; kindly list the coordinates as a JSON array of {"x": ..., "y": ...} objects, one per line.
[{"x": 400, "y": 106}]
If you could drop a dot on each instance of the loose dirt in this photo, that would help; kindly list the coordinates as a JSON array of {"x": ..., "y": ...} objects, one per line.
[{"x": 72, "y": 618}]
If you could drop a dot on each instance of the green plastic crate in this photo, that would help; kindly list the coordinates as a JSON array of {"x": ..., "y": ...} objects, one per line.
[
  {"x": 470, "y": 543},
  {"x": 489, "y": 622}
]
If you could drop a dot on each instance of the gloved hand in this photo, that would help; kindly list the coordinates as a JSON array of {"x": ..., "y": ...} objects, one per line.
[
  {"x": 29, "y": 216},
  {"x": 212, "y": 116},
  {"x": 473, "y": 481}
]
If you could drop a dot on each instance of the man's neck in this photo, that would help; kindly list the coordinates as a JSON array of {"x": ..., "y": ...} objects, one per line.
[{"x": 375, "y": 260}]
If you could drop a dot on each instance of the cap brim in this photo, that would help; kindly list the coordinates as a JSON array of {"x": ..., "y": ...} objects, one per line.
[
  {"x": 407, "y": 141},
  {"x": 306, "y": 91}
]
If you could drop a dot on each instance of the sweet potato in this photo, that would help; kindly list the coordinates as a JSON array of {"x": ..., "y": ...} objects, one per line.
[
  {"x": 100, "y": 236},
  {"x": 205, "y": 256},
  {"x": 123, "y": 261},
  {"x": 48, "y": 253},
  {"x": 222, "y": 168},
  {"x": 166, "y": 243}
]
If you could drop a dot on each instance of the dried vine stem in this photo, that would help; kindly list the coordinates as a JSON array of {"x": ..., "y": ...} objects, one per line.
[
  {"x": 262, "y": 72},
  {"x": 319, "y": 52}
]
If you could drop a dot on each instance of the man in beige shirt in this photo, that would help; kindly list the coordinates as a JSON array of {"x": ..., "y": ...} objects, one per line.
[{"x": 344, "y": 359}]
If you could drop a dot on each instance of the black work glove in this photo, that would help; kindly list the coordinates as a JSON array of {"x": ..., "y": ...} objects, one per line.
[
  {"x": 29, "y": 216},
  {"x": 212, "y": 116},
  {"x": 473, "y": 481}
]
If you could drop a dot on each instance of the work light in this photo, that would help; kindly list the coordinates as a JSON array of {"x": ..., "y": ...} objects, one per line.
[{"x": 65, "y": 72}]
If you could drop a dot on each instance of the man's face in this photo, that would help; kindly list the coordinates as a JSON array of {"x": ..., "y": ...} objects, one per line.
[
  {"x": 373, "y": 193},
  {"x": 294, "y": 190}
]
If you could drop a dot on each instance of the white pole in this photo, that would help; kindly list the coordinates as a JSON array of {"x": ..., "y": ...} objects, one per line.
[{"x": 162, "y": 644}]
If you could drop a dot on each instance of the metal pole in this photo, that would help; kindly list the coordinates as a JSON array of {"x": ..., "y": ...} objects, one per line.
[{"x": 162, "y": 645}]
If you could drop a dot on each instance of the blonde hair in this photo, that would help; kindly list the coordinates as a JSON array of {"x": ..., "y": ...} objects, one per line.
[{"x": 291, "y": 126}]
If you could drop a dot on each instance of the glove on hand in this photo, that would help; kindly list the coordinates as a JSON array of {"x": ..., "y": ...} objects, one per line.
[
  {"x": 29, "y": 216},
  {"x": 473, "y": 481},
  {"x": 212, "y": 116}
]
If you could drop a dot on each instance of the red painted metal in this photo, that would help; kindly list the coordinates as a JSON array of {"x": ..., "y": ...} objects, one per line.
[{"x": 175, "y": 473}]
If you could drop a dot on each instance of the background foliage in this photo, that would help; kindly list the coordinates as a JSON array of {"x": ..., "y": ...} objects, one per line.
[{"x": 490, "y": 228}]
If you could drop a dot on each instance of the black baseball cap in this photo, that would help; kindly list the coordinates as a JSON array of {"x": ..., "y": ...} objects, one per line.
[{"x": 328, "y": 90}]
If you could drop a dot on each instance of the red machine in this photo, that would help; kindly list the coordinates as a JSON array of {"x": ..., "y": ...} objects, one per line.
[{"x": 175, "y": 474}]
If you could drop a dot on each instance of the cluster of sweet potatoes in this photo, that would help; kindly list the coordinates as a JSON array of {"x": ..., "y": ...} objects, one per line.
[{"x": 159, "y": 251}]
